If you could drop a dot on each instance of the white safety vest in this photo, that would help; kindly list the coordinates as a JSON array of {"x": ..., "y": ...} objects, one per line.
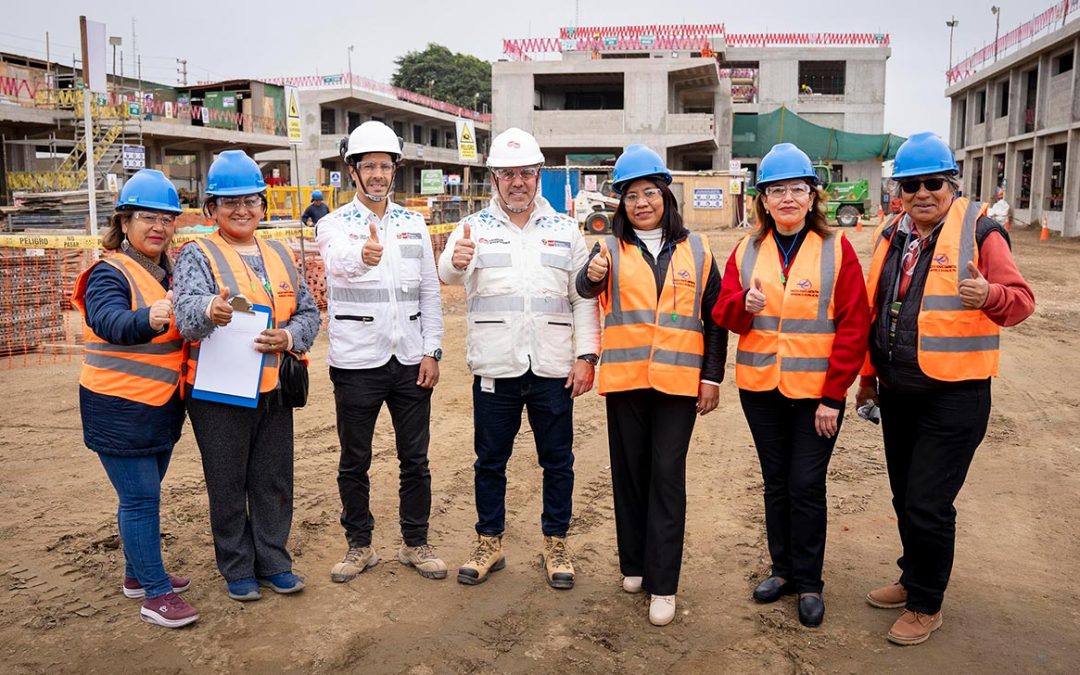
[
  {"x": 523, "y": 310},
  {"x": 392, "y": 309}
]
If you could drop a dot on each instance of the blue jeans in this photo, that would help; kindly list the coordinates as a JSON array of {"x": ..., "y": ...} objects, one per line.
[
  {"x": 137, "y": 481},
  {"x": 496, "y": 420}
]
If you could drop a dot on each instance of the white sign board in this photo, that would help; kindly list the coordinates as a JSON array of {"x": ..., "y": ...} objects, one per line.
[
  {"x": 466, "y": 141},
  {"x": 590, "y": 182},
  {"x": 734, "y": 166},
  {"x": 94, "y": 57},
  {"x": 292, "y": 116},
  {"x": 335, "y": 178},
  {"x": 134, "y": 157},
  {"x": 708, "y": 198}
]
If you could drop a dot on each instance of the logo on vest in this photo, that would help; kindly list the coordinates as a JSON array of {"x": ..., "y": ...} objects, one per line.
[
  {"x": 495, "y": 240},
  {"x": 409, "y": 235},
  {"x": 805, "y": 288},
  {"x": 805, "y": 284},
  {"x": 555, "y": 243},
  {"x": 684, "y": 278},
  {"x": 941, "y": 263},
  {"x": 285, "y": 290}
]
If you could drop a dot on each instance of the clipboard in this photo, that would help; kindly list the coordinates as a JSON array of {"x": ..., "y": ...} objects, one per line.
[{"x": 230, "y": 368}]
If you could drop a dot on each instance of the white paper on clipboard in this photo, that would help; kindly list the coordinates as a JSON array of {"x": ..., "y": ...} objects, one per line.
[{"x": 229, "y": 364}]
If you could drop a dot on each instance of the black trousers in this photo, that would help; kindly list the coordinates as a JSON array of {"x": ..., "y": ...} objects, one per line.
[
  {"x": 648, "y": 438},
  {"x": 930, "y": 440},
  {"x": 359, "y": 396},
  {"x": 794, "y": 461}
]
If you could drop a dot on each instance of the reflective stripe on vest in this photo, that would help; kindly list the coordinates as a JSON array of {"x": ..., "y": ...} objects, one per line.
[
  {"x": 955, "y": 343},
  {"x": 147, "y": 373},
  {"x": 651, "y": 342},
  {"x": 790, "y": 342}
]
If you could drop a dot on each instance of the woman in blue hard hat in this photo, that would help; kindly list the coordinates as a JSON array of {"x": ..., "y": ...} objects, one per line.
[
  {"x": 129, "y": 389},
  {"x": 942, "y": 282},
  {"x": 661, "y": 364},
  {"x": 793, "y": 291},
  {"x": 247, "y": 453}
]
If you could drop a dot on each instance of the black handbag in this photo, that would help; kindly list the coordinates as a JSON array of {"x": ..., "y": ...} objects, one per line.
[{"x": 293, "y": 378}]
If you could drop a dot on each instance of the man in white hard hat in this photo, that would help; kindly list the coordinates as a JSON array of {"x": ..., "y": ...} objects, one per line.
[
  {"x": 532, "y": 343},
  {"x": 386, "y": 331}
]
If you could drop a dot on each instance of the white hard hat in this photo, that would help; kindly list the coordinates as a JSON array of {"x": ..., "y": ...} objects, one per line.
[
  {"x": 514, "y": 147},
  {"x": 372, "y": 136}
]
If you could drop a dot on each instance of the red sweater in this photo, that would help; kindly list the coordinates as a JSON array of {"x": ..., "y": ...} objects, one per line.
[{"x": 850, "y": 315}]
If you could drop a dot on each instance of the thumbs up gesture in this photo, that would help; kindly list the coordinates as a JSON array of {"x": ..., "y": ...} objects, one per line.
[
  {"x": 160, "y": 311},
  {"x": 373, "y": 250},
  {"x": 464, "y": 249},
  {"x": 600, "y": 264},
  {"x": 975, "y": 289},
  {"x": 220, "y": 309},
  {"x": 755, "y": 298}
]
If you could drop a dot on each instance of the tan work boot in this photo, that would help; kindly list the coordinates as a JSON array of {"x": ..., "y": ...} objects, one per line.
[
  {"x": 486, "y": 558},
  {"x": 893, "y": 596},
  {"x": 355, "y": 561},
  {"x": 425, "y": 561},
  {"x": 913, "y": 628},
  {"x": 558, "y": 566}
]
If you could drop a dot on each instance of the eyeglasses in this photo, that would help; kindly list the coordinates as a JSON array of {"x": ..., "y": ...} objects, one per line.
[
  {"x": 527, "y": 173},
  {"x": 649, "y": 194},
  {"x": 912, "y": 186},
  {"x": 797, "y": 190},
  {"x": 376, "y": 167},
  {"x": 233, "y": 203},
  {"x": 163, "y": 219}
]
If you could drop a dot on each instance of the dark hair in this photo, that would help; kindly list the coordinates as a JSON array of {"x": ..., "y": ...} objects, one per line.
[
  {"x": 112, "y": 237},
  {"x": 671, "y": 222},
  {"x": 212, "y": 199},
  {"x": 815, "y": 217}
]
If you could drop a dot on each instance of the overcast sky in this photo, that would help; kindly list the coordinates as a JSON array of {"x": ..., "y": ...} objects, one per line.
[{"x": 223, "y": 41}]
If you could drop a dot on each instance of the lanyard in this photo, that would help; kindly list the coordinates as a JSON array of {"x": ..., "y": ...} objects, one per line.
[
  {"x": 786, "y": 254},
  {"x": 671, "y": 259}
]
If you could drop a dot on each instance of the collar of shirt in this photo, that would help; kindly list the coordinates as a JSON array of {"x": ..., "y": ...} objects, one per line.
[
  {"x": 541, "y": 207},
  {"x": 362, "y": 212}
]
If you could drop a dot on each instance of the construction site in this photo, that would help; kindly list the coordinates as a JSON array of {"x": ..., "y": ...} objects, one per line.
[{"x": 711, "y": 102}]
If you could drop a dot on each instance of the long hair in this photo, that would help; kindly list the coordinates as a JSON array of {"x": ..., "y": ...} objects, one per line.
[
  {"x": 114, "y": 235},
  {"x": 815, "y": 217},
  {"x": 671, "y": 222}
]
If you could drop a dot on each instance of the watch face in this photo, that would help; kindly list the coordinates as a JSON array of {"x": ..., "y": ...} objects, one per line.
[{"x": 437, "y": 355}]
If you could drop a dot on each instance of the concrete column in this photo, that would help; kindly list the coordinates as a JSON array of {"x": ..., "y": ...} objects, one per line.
[
  {"x": 1016, "y": 114},
  {"x": 1071, "y": 212},
  {"x": 1075, "y": 87},
  {"x": 1040, "y": 163},
  {"x": 1043, "y": 95}
]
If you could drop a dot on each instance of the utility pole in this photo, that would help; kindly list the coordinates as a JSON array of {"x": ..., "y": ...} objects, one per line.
[
  {"x": 348, "y": 56},
  {"x": 996, "y": 11},
  {"x": 114, "y": 41},
  {"x": 951, "y": 23},
  {"x": 183, "y": 71}
]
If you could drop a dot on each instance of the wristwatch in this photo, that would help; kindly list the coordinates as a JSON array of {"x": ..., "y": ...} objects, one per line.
[
  {"x": 591, "y": 359},
  {"x": 436, "y": 354}
]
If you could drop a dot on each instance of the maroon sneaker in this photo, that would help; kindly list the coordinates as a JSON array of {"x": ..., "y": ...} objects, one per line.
[
  {"x": 169, "y": 610},
  {"x": 133, "y": 589}
]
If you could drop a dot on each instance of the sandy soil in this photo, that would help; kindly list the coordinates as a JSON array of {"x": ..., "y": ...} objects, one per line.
[{"x": 1011, "y": 606}]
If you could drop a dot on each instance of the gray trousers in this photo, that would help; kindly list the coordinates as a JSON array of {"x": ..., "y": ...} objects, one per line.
[{"x": 247, "y": 458}]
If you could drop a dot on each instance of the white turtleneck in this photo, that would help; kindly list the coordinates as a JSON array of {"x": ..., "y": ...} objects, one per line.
[{"x": 653, "y": 239}]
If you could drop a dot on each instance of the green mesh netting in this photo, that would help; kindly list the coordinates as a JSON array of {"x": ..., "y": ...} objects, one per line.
[{"x": 754, "y": 135}]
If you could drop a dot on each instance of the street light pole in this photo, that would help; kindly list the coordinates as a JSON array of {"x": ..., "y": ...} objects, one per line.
[
  {"x": 951, "y": 23},
  {"x": 348, "y": 55},
  {"x": 997, "y": 28},
  {"x": 115, "y": 41}
]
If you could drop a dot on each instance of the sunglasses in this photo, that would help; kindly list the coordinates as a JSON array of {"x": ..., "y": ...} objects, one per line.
[{"x": 912, "y": 186}]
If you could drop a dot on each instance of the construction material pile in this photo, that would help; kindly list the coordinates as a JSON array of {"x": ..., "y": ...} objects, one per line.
[
  {"x": 33, "y": 295},
  {"x": 59, "y": 210}
]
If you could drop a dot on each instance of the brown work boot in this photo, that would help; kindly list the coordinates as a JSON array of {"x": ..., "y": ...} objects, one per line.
[
  {"x": 425, "y": 561},
  {"x": 486, "y": 558},
  {"x": 557, "y": 563},
  {"x": 893, "y": 596},
  {"x": 913, "y": 628},
  {"x": 356, "y": 560}
]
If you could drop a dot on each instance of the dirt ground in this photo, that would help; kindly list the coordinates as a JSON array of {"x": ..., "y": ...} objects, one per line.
[{"x": 1012, "y": 606}]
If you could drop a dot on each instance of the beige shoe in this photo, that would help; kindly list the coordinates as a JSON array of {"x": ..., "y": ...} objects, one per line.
[
  {"x": 913, "y": 628},
  {"x": 486, "y": 558},
  {"x": 631, "y": 584},
  {"x": 355, "y": 561},
  {"x": 425, "y": 561},
  {"x": 893, "y": 596},
  {"x": 662, "y": 610},
  {"x": 558, "y": 566}
]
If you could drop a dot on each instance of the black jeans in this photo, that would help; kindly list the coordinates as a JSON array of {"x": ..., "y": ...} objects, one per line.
[
  {"x": 648, "y": 438},
  {"x": 359, "y": 396},
  {"x": 794, "y": 462},
  {"x": 496, "y": 420},
  {"x": 930, "y": 440}
]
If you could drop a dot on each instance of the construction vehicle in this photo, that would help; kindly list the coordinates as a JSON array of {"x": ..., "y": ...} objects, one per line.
[
  {"x": 595, "y": 209},
  {"x": 848, "y": 200}
]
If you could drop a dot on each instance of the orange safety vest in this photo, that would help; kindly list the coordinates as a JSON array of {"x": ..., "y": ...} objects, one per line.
[
  {"x": 955, "y": 343},
  {"x": 649, "y": 342},
  {"x": 230, "y": 271},
  {"x": 790, "y": 341},
  {"x": 148, "y": 373}
]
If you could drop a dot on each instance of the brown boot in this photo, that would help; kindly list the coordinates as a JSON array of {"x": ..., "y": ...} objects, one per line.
[
  {"x": 356, "y": 560},
  {"x": 913, "y": 628},
  {"x": 557, "y": 563},
  {"x": 486, "y": 558},
  {"x": 893, "y": 596}
]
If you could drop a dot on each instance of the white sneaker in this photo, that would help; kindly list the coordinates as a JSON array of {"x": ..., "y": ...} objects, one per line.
[
  {"x": 631, "y": 584},
  {"x": 662, "y": 610}
]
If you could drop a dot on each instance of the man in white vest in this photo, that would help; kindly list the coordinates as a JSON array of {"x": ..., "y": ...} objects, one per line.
[
  {"x": 386, "y": 331},
  {"x": 532, "y": 343}
]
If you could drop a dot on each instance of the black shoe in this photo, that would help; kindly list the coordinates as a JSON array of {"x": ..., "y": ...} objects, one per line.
[
  {"x": 811, "y": 609},
  {"x": 772, "y": 589}
]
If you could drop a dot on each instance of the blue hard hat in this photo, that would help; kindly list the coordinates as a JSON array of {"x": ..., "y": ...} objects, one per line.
[
  {"x": 149, "y": 189},
  {"x": 784, "y": 162},
  {"x": 316, "y": 194},
  {"x": 234, "y": 173},
  {"x": 924, "y": 154},
  {"x": 638, "y": 161}
]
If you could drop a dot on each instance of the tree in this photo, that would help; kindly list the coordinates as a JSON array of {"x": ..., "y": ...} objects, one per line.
[{"x": 445, "y": 75}]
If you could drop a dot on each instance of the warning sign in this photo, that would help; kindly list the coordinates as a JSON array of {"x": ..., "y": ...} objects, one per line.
[
  {"x": 466, "y": 141},
  {"x": 292, "y": 116}
]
